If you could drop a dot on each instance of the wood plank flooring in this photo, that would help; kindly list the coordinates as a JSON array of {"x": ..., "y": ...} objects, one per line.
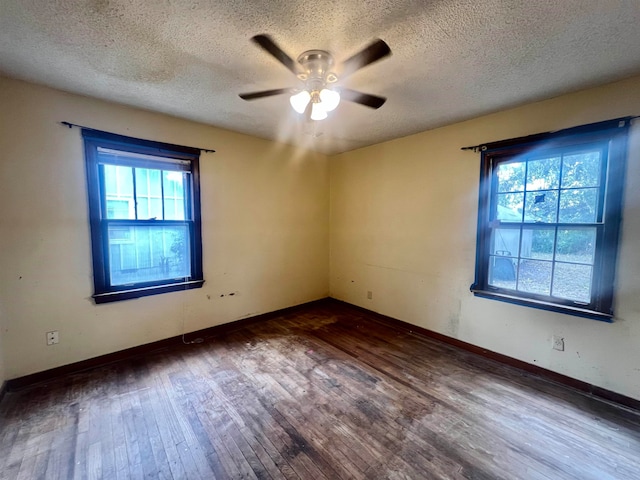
[{"x": 325, "y": 392}]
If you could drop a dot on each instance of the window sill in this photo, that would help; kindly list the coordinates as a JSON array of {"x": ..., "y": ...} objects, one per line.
[
  {"x": 553, "y": 307},
  {"x": 146, "y": 291}
]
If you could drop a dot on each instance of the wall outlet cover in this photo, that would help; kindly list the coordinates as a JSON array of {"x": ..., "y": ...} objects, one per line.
[{"x": 53, "y": 337}]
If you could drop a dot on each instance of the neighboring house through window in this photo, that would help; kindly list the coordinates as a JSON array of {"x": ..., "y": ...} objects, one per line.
[
  {"x": 144, "y": 206},
  {"x": 548, "y": 220}
]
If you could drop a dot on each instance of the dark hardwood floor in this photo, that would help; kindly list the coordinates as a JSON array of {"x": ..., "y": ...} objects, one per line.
[{"x": 323, "y": 392}]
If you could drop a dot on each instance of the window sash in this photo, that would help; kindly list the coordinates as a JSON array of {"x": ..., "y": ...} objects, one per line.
[
  {"x": 187, "y": 205},
  {"x": 106, "y": 224},
  {"x": 496, "y": 160},
  {"x": 518, "y": 256}
]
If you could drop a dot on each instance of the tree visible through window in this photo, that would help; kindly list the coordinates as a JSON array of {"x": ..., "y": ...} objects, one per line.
[
  {"x": 145, "y": 216},
  {"x": 548, "y": 219}
]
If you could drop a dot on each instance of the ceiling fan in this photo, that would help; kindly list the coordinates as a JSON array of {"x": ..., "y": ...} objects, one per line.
[{"x": 320, "y": 94}]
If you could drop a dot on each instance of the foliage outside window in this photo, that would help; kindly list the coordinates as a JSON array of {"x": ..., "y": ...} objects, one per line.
[
  {"x": 548, "y": 219},
  {"x": 144, "y": 209}
]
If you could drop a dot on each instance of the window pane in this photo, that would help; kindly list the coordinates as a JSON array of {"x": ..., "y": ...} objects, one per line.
[
  {"x": 143, "y": 250},
  {"x": 120, "y": 234},
  {"x": 537, "y": 243},
  {"x": 148, "y": 254},
  {"x": 125, "y": 181},
  {"x": 169, "y": 209},
  {"x": 155, "y": 208},
  {"x": 572, "y": 282},
  {"x": 581, "y": 170},
  {"x": 110, "y": 180},
  {"x": 170, "y": 179},
  {"x": 502, "y": 272},
  {"x": 534, "y": 276},
  {"x": 127, "y": 256},
  {"x": 118, "y": 192},
  {"x": 173, "y": 195},
  {"x": 541, "y": 206},
  {"x": 511, "y": 177},
  {"x": 579, "y": 206},
  {"x": 143, "y": 208},
  {"x": 576, "y": 245},
  {"x": 142, "y": 177},
  {"x": 148, "y": 193},
  {"x": 505, "y": 241},
  {"x": 509, "y": 207},
  {"x": 543, "y": 174},
  {"x": 118, "y": 208},
  {"x": 155, "y": 189}
]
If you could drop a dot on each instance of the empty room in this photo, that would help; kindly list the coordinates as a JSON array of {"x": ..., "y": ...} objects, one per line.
[{"x": 320, "y": 240}]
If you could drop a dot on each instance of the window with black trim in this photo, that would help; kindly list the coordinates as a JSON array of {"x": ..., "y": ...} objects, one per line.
[
  {"x": 144, "y": 209},
  {"x": 548, "y": 219}
]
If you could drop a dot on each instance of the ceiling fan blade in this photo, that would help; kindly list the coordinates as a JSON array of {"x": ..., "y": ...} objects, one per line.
[
  {"x": 377, "y": 50},
  {"x": 371, "y": 101},
  {"x": 265, "y": 42},
  {"x": 265, "y": 93}
]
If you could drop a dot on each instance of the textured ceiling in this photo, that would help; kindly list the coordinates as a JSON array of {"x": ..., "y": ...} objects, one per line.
[{"x": 452, "y": 59}]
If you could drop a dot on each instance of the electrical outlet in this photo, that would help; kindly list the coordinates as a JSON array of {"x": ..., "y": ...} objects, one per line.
[
  {"x": 369, "y": 294},
  {"x": 558, "y": 343},
  {"x": 52, "y": 338}
]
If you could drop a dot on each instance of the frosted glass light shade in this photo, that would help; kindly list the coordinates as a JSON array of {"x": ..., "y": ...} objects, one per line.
[
  {"x": 300, "y": 100},
  {"x": 318, "y": 111},
  {"x": 330, "y": 99}
]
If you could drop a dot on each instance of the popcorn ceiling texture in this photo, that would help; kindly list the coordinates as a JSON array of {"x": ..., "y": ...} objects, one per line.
[{"x": 452, "y": 59}]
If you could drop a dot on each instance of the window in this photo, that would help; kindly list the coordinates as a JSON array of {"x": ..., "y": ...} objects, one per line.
[
  {"x": 548, "y": 219},
  {"x": 144, "y": 208}
]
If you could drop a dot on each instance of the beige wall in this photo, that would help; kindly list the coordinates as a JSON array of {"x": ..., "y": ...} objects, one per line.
[
  {"x": 403, "y": 225},
  {"x": 265, "y": 216}
]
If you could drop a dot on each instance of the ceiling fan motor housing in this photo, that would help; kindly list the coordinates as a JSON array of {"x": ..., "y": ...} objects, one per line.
[{"x": 317, "y": 70}]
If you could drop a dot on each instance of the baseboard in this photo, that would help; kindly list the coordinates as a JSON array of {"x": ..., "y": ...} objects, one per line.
[
  {"x": 146, "y": 349},
  {"x": 584, "y": 387}
]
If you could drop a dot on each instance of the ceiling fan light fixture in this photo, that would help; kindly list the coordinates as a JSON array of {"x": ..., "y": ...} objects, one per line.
[
  {"x": 330, "y": 99},
  {"x": 318, "y": 111},
  {"x": 300, "y": 100}
]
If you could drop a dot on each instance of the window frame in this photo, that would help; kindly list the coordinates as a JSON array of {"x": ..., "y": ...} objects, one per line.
[
  {"x": 612, "y": 135},
  {"x": 104, "y": 291}
]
